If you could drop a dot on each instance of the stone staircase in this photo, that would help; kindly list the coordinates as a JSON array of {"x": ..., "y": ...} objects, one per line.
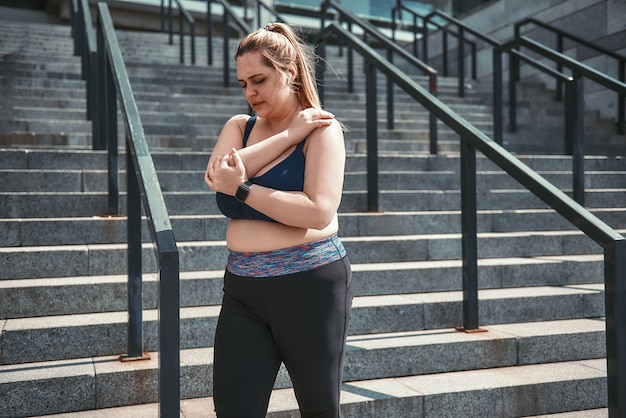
[{"x": 62, "y": 261}]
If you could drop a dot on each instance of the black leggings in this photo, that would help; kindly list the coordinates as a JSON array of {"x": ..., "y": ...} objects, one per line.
[{"x": 300, "y": 319}]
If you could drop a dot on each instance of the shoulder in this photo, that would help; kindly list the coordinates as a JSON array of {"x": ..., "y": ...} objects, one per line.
[
  {"x": 334, "y": 132},
  {"x": 239, "y": 120},
  {"x": 327, "y": 139}
]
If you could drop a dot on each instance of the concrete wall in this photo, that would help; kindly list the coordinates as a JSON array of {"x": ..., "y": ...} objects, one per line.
[{"x": 602, "y": 22}]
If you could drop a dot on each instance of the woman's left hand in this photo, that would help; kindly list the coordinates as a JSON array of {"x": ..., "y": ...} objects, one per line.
[{"x": 226, "y": 173}]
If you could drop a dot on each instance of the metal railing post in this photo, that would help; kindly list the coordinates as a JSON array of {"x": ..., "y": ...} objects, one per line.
[
  {"x": 570, "y": 117},
  {"x": 350, "y": 65},
  {"x": 469, "y": 236},
  {"x": 615, "y": 302},
  {"x": 181, "y": 36},
  {"x": 390, "y": 110},
  {"x": 209, "y": 32},
  {"x": 621, "y": 99},
  {"x": 432, "y": 88},
  {"x": 226, "y": 64},
  {"x": 169, "y": 325},
  {"x": 170, "y": 23},
  {"x": 109, "y": 104},
  {"x": 372, "y": 137},
  {"x": 513, "y": 77},
  {"x": 498, "y": 102},
  {"x": 578, "y": 151},
  {"x": 461, "y": 61},
  {"x": 134, "y": 347}
]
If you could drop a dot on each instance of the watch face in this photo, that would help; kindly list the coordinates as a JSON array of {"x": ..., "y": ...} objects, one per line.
[{"x": 242, "y": 192}]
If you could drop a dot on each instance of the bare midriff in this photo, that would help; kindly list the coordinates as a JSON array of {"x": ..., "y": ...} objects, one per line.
[{"x": 246, "y": 235}]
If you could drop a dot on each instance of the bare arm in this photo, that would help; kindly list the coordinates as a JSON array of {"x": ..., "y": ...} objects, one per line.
[
  {"x": 316, "y": 206},
  {"x": 260, "y": 154}
]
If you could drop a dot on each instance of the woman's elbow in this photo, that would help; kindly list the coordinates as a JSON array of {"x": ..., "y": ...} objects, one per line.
[{"x": 323, "y": 217}]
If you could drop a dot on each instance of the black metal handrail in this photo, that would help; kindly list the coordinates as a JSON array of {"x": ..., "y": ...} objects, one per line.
[
  {"x": 260, "y": 6},
  {"x": 183, "y": 15},
  {"x": 575, "y": 104},
  {"x": 462, "y": 28},
  {"x": 473, "y": 139},
  {"x": 415, "y": 28},
  {"x": 143, "y": 187},
  {"x": 561, "y": 35},
  {"x": 229, "y": 13},
  {"x": 391, "y": 48},
  {"x": 422, "y": 29}
]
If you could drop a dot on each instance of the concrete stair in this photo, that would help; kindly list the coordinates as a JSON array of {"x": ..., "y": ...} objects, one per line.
[{"x": 63, "y": 289}]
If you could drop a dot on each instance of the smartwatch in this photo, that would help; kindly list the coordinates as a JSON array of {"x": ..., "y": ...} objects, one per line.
[{"x": 242, "y": 191}]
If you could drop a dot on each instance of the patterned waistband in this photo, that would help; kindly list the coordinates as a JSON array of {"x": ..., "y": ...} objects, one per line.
[{"x": 287, "y": 260}]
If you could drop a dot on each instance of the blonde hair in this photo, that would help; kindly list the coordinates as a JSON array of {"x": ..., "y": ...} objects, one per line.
[{"x": 279, "y": 45}]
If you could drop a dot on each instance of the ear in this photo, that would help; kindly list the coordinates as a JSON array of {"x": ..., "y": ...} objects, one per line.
[{"x": 292, "y": 72}]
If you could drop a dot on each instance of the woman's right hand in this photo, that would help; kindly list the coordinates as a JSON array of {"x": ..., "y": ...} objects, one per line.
[{"x": 307, "y": 120}]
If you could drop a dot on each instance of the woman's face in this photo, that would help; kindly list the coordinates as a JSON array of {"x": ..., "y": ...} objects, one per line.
[{"x": 267, "y": 91}]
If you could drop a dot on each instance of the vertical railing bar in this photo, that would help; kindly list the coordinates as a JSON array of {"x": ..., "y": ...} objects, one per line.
[
  {"x": 432, "y": 87},
  {"x": 498, "y": 102},
  {"x": 225, "y": 52},
  {"x": 350, "y": 64},
  {"x": 135, "y": 309},
  {"x": 461, "y": 60},
  {"x": 415, "y": 37},
  {"x": 209, "y": 32},
  {"x": 192, "y": 28},
  {"x": 169, "y": 326},
  {"x": 570, "y": 117},
  {"x": 98, "y": 124},
  {"x": 474, "y": 62},
  {"x": 578, "y": 157},
  {"x": 110, "y": 127},
  {"x": 513, "y": 77},
  {"x": 559, "y": 68},
  {"x": 389, "y": 83},
  {"x": 469, "y": 236},
  {"x": 171, "y": 23},
  {"x": 73, "y": 5},
  {"x": 621, "y": 100},
  {"x": 181, "y": 35},
  {"x": 372, "y": 136},
  {"x": 615, "y": 305},
  {"x": 444, "y": 52}
]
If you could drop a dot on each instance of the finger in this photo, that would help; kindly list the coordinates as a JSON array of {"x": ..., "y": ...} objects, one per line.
[
  {"x": 207, "y": 179},
  {"x": 236, "y": 158}
]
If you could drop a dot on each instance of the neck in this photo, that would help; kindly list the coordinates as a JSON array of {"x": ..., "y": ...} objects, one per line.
[{"x": 283, "y": 121}]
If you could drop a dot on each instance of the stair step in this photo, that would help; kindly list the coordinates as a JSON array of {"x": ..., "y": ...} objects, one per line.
[
  {"x": 63, "y": 337},
  {"x": 52, "y": 204},
  {"x": 106, "y": 293},
  {"x": 99, "y": 259},
  {"x": 498, "y": 361},
  {"x": 29, "y": 232},
  {"x": 191, "y": 179}
]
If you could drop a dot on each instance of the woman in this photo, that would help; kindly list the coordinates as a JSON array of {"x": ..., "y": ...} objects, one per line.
[{"x": 279, "y": 177}]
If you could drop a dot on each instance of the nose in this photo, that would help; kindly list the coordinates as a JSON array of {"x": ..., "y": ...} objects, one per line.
[{"x": 249, "y": 91}]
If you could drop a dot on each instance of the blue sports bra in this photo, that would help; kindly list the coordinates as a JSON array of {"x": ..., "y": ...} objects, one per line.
[{"x": 287, "y": 175}]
